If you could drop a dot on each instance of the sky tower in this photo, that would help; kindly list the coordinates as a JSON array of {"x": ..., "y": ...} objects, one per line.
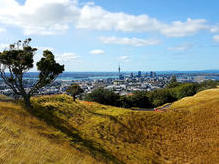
[{"x": 121, "y": 77}]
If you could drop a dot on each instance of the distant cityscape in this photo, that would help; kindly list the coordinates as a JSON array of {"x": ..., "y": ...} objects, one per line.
[{"x": 123, "y": 83}]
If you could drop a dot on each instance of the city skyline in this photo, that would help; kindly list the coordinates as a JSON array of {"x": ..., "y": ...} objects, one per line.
[{"x": 99, "y": 35}]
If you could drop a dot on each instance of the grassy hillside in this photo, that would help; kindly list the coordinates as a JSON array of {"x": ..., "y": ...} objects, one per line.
[
  {"x": 25, "y": 139},
  {"x": 62, "y": 131}
]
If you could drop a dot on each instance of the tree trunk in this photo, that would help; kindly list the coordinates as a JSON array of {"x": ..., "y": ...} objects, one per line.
[
  {"x": 27, "y": 101},
  {"x": 74, "y": 97}
]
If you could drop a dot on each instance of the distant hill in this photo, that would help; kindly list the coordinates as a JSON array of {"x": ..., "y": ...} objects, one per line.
[{"x": 59, "y": 130}]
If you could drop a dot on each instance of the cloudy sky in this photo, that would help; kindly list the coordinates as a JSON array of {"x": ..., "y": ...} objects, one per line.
[{"x": 99, "y": 35}]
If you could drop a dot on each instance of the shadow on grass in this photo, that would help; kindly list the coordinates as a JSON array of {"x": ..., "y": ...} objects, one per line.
[
  {"x": 10, "y": 100},
  {"x": 94, "y": 148},
  {"x": 115, "y": 120}
]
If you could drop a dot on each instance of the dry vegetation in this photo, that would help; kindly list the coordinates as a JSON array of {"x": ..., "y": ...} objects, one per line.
[
  {"x": 63, "y": 131},
  {"x": 25, "y": 139}
]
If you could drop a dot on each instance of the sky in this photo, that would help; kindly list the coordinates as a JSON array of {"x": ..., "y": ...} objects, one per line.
[{"x": 100, "y": 35}]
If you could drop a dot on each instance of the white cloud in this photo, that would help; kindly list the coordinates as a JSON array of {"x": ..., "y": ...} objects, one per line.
[
  {"x": 97, "y": 52},
  {"x": 39, "y": 17},
  {"x": 214, "y": 29},
  {"x": 124, "y": 58},
  {"x": 45, "y": 48},
  {"x": 47, "y": 17},
  {"x": 129, "y": 41},
  {"x": 67, "y": 57},
  {"x": 95, "y": 17},
  {"x": 216, "y": 38},
  {"x": 2, "y": 29},
  {"x": 182, "y": 47},
  {"x": 181, "y": 29}
]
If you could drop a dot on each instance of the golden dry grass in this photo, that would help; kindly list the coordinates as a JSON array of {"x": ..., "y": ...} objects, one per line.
[
  {"x": 89, "y": 132},
  {"x": 25, "y": 139}
]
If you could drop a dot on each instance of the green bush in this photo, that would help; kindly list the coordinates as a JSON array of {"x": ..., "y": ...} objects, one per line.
[
  {"x": 208, "y": 85},
  {"x": 161, "y": 96},
  {"x": 144, "y": 99},
  {"x": 103, "y": 96},
  {"x": 125, "y": 101},
  {"x": 187, "y": 89},
  {"x": 140, "y": 99}
]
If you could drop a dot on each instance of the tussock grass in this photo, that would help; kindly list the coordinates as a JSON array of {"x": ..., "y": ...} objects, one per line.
[
  {"x": 4, "y": 98},
  {"x": 25, "y": 139},
  {"x": 187, "y": 132}
]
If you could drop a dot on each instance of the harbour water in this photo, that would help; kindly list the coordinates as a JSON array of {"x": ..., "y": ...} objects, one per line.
[{"x": 69, "y": 76}]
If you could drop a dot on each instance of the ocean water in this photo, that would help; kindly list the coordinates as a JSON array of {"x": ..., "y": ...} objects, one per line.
[
  {"x": 105, "y": 75},
  {"x": 77, "y": 75}
]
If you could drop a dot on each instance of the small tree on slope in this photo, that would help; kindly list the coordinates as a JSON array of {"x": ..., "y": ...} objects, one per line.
[
  {"x": 74, "y": 90},
  {"x": 18, "y": 60}
]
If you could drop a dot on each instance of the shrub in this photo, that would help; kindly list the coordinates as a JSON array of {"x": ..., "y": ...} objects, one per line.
[
  {"x": 144, "y": 99},
  {"x": 188, "y": 89},
  {"x": 74, "y": 90},
  {"x": 125, "y": 101},
  {"x": 161, "y": 96},
  {"x": 140, "y": 99},
  {"x": 208, "y": 85},
  {"x": 103, "y": 96}
]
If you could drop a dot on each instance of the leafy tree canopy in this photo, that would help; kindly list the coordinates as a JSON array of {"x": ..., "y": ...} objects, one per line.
[
  {"x": 103, "y": 96},
  {"x": 18, "y": 59},
  {"x": 74, "y": 90}
]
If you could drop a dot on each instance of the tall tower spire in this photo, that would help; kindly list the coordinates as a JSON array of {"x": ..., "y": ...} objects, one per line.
[{"x": 119, "y": 69}]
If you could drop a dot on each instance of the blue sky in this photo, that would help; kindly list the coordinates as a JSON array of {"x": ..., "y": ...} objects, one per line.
[{"x": 99, "y": 35}]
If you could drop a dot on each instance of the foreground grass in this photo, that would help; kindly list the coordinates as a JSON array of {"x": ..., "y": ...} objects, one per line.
[
  {"x": 85, "y": 132},
  {"x": 25, "y": 139}
]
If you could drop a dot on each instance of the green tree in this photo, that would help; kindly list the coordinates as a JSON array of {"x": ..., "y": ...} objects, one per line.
[
  {"x": 103, "y": 96},
  {"x": 173, "y": 83},
  {"x": 18, "y": 60},
  {"x": 208, "y": 84},
  {"x": 173, "y": 79},
  {"x": 161, "y": 96},
  {"x": 125, "y": 101},
  {"x": 187, "y": 89},
  {"x": 74, "y": 90},
  {"x": 140, "y": 99}
]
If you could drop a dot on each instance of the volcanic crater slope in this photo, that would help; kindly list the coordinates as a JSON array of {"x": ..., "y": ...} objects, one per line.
[{"x": 59, "y": 130}]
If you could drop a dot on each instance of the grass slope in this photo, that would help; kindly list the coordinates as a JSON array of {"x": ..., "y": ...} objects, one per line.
[
  {"x": 25, "y": 139},
  {"x": 64, "y": 131}
]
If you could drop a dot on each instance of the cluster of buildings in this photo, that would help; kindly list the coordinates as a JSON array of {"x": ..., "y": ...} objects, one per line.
[
  {"x": 123, "y": 84},
  {"x": 127, "y": 83}
]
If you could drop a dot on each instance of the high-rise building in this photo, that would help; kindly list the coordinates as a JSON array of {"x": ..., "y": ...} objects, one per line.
[
  {"x": 121, "y": 77},
  {"x": 146, "y": 74},
  {"x": 151, "y": 74},
  {"x": 139, "y": 73},
  {"x": 155, "y": 74},
  {"x": 119, "y": 69}
]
